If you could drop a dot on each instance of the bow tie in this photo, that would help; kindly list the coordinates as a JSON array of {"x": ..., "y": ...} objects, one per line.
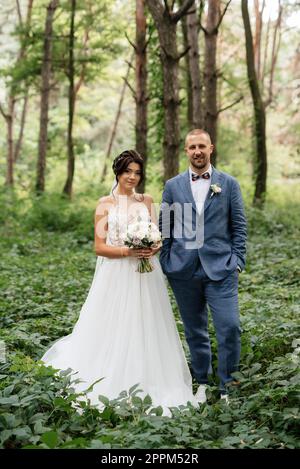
[{"x": 204, "y": 176}]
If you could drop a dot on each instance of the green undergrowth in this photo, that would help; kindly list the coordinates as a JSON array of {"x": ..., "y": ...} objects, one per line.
[{"x": 46, "y": 268}]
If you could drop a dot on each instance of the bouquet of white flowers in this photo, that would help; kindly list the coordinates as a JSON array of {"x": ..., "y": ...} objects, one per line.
[{"x": 142, "y": 235}]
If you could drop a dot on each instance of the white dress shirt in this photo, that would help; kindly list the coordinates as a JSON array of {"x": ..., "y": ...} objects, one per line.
[{"x": 200, "y": 188}]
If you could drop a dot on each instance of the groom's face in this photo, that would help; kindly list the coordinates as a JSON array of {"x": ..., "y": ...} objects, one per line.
[{"x": 198, "y": 149}]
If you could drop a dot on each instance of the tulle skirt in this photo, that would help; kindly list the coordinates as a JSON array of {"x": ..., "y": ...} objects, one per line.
[{"x": 126, "y": 334}]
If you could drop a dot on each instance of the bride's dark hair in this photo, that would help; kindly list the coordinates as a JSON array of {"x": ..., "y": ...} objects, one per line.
[{"x": 123, "y": 160}]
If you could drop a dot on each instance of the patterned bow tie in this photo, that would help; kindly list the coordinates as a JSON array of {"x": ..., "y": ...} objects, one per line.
[{"x": 195, "y": 177}]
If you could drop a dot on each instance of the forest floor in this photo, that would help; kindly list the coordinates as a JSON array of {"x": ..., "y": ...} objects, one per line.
[{"x": 46, "y": 267}]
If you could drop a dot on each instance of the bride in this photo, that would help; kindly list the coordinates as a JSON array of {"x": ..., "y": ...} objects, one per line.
[{"x": 126, "y": 333}]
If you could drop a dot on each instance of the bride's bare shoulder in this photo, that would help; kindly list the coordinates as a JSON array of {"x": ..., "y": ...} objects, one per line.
[
  {"x": 104, "y": 204},
  {"x": 106, "y": 199},
  {"x": 148, "y": 198}
]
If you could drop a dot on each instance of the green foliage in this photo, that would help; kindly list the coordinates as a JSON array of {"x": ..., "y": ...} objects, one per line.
[
  {"x": 95, "y": 42},
  {"x": 55, "y": 214},
  {"x": 46, "y": 269}
]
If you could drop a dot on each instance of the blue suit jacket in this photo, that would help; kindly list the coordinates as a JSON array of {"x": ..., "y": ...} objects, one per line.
[{"x": 224, "y": 241}]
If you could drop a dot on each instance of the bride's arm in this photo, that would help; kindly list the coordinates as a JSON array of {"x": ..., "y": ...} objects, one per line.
[
  {"x": 101, "y": 226},
  {"x": 153, "y": 216}
]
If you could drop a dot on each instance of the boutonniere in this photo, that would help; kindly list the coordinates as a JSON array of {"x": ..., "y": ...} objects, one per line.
[{"x": 215, "y": 189}]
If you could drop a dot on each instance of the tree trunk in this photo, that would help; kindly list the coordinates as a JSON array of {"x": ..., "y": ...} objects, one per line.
[
  {"x": 259, "y": 114},
  {"x": 210, "y": 74},
  {"x": 189, "y": 88},
  {"x": 190, "y": 27},
  {"x": 45, "y": 90},
  {"x": 169, "y": 60},
  {"x": 257, "y": 36},
  {"x": 10, "y": 152},
  {"x": 9, "y": 119},
  {"x": 171, "y": 101},
  {"x": 71, "y": 157},
  {"x": 115, "y": 125},
  {"x": 274, "y": 56},
  {"x": 166, "y": 22},
  {"x": 265, "y": 57},
  {"x": 141, "y": 126},
  {"x": 19, "y": 141}
]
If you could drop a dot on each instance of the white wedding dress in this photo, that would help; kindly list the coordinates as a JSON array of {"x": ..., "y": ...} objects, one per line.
[{"x": 126, "y": 332}]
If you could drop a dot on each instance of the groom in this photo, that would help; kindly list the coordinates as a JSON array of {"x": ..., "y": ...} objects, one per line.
[{"x": 204, "y": 229}]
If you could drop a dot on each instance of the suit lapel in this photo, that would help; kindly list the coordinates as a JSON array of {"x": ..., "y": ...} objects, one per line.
[
  {"x": 186, "y": 188},
  {"x": 215, "y": 179}
]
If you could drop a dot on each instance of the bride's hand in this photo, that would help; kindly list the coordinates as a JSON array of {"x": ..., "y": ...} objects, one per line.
[
  {"x": 155, "y": 249},
  {"x": 142, "y": 253}
]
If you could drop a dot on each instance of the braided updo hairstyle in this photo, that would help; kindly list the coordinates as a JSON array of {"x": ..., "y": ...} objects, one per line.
[{"x": 122, "y": 161}]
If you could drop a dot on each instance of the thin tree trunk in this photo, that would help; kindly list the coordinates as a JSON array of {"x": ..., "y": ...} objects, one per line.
[
  {"x": 264, "y": 66},
  {"x": 10, "y": 132},
  {"x": 10, "y": 150},
  {"x": 45, "y": 91},
  {"x": 171, "y": 101},
  {"x": 141, "y": 126},
  {"x": 68, "y": 188},
  {"x": 257, "y": 36},
  {"x": 190, "y": 25},
  {"x": 9, "y": 119},
  {"x": 115, "y": 125},
  {"x": 166, "y": 22},
  {"x": 275, "y": 50},
  {"x": 259, "y": 114},
  {"x": 210, "y": 74},
  {"x": 19, "y": 141},
  {"x": 214, "y": 20},
  {"x": 71, "y": 157},
  {"x": 189, "y": 88}
]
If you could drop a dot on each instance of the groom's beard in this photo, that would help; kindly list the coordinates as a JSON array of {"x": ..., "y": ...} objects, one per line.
[{"x": 200, "y": 164}]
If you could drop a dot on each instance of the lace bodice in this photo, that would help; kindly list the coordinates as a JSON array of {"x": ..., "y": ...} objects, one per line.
[{"x": 120, "y": 216}]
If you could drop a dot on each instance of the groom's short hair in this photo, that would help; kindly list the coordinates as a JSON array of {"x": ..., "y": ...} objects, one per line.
[{"x": 197, "y": 132}]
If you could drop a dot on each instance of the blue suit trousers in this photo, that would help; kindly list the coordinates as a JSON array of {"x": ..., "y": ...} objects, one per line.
[{"x": 193, "y": 296}]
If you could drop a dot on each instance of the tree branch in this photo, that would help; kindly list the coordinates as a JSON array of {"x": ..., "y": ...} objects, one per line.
[
  {"x": 232, "y": 85},
  {"x": 167, "y": 54},
  {"x": 223, "y": 14},
  {"x": 183, "y": 53},
  {"x": 148, "y": 40},
  {"x": 167, "y": 9},
  {"x": 3, "y": 112},
  {"x": 204, "y": 29},
  {"x": 201, "y": 10},
  {"x": 182, "y": 11},
  {"x": 130, "y": 87},
  {"x": 230, "y": 105},
  {"x": 216, "y": 28},
  {"x": 19, "y": 13},
  {"x": 191, "y": 12},
  {"x": 130, "y": 42},
  {"x": 130, "y": 65}
]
